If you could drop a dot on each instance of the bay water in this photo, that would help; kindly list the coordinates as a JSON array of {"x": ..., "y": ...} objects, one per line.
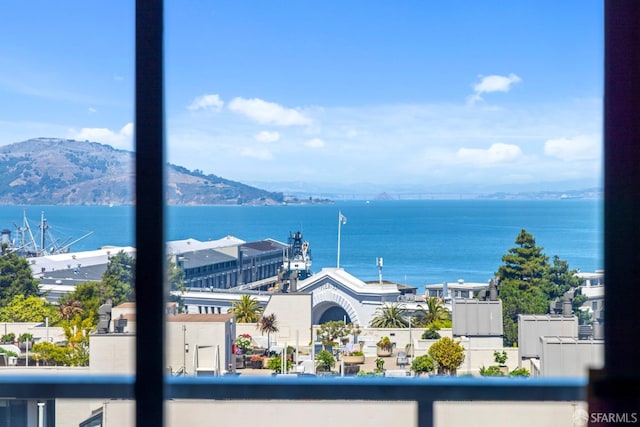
[{"x": 420, "y": 241}]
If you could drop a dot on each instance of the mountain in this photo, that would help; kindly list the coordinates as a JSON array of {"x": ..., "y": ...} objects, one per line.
[
  {"x": 579, "y": 188},
  {"x": 49, "y": 171}
]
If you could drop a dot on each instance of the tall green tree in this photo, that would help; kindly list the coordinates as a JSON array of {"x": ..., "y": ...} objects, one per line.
[
  {"x": 525, "y": 264},
  {"x": 247, "y": 309},
  {"x": 16, "y": 277},
  {"x": 523, "y": 276},
  {"x": 77, "y": 331},
  {"x": 175, "y": 278},
  {"x": 29, "y": 309},
  {"x": 389, "y": 316},
  {"x": 560, "y": 278},
  {"x": 528, "y": 283},
  {"x": 118, "y": 281}
]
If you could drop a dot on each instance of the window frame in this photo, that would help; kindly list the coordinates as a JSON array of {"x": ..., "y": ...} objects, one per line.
[{"x": 604, "y": 390}]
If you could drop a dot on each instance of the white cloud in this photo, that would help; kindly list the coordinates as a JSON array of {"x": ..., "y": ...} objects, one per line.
[
  {"x": 582, "y": 147},
  {"x": 127, "y": 130},
  {"x": 122, "y": 139},
  {"x": 266, "y": 136},
  {"x": 92, "y": 110},
  {"x": 256, "y": 153},
  {"x": 315, "y": 143},
  {"x": 206, "y": 102},
  {"x": 497, "y": 153},
  {"x": 268, "y": 112},
  {"x": 401, "y": 142},
  {"x": 493, "y": 83}
]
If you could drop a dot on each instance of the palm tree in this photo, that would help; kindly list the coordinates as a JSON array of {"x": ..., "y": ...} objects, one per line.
[
  {"x": 70, "y": 308},
  {"x": 434, "y": 312},
  {"x": 247, "y": 309},
  {"x": 268, "y": 324},
  {"x": 389, "y": 316}
]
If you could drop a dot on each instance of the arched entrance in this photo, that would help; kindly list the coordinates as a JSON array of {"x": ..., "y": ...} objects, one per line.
[
  {"x": 331, "y": 305},
  {"x": 332, "y": 312}
]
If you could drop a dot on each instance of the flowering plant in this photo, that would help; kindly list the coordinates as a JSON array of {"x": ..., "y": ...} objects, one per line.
[
  {"x": 243, "y": 342},
  {"x": 257, "y": 358}
]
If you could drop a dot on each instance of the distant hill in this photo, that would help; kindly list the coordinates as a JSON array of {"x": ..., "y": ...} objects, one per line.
[{"x": 48, "y": 171}]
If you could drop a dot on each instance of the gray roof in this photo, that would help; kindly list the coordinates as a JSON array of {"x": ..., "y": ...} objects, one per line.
[
  {"x": 205, "y": 257},
  {"x": 261, "y": 246},
  {"x": 73, "y": 276}
]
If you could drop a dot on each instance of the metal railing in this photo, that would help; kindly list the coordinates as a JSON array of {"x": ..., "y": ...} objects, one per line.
[{"x": 423, "y": 391}]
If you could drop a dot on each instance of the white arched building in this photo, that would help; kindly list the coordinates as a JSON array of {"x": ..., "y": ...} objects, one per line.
[{"x": 335, "y": 295}]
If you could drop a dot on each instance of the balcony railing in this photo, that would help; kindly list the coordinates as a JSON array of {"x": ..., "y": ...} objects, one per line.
[{"x": 423, "y": 391}]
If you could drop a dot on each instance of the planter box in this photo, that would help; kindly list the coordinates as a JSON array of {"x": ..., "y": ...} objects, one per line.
[
  {"x": 240, "y": 362},
  {"x": 254, "y": 364},
  {"x": 384, "y": 352},
  {"x": 351, "y": 369},
  {"x": 353, "y": 360}
]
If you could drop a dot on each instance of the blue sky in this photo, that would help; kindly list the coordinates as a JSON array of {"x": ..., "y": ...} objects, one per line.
[{"x": 409, "y": 92}]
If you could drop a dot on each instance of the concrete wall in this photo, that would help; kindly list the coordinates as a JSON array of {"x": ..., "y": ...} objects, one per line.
[
  {"x": 570, "y": 357},
  {"x": 293, "y": 312},
  {"x": 508, "y": 414},
  {"x": 39, "y": 331},
  {"x": 204, "y": 340},
  {"x": 472, "y": 317},
  {"x": 71, "y": 412},
  {"x": 400, "y": 336},
  {"x": 532, "y": 327},
  {"x": 112, "y": 354},
  {"x": 196, "y": 413}
]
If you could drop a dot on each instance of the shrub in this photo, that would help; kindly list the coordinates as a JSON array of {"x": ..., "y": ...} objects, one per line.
[
  {"x": 9, "y": 353},
  {"x": 500, "y": 357},
  {"x": 275, "y": 363},
  {"x": 431, "y": 333},
  {"x": 423, "y": 364},
  {"x": 24, "y": 337},
  {"x": 520, "y": 372},
  {"x": 447, "y": 354},
  {"x": 385, "y": 343},
  {"x": 325, "y": 360},
  {"x": 10, "y": 337},
  {"x": 491, "y": 371}
]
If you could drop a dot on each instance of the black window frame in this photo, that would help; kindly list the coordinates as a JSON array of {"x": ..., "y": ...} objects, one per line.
[{"x": 614, "y": 389}]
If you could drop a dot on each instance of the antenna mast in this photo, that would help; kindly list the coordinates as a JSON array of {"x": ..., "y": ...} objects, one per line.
[{"x": 379, "y": 265}]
